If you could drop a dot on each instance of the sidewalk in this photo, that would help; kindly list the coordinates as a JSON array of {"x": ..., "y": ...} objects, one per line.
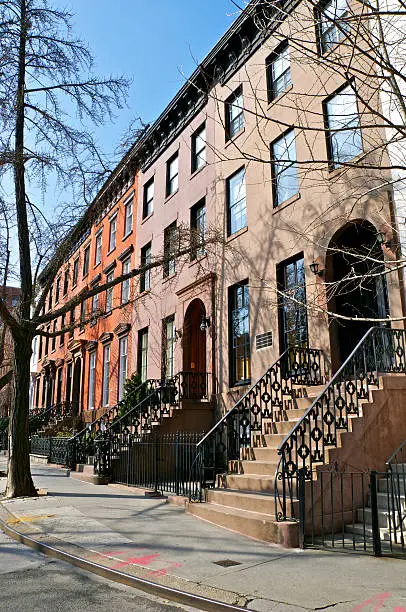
[{"x": 152, "y": 539}]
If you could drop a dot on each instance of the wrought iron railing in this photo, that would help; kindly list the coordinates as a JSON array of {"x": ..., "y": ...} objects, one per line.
[
  {"x": 162, "y": 463},
  {"x": 182, "y": 386},
  {"x": 42, "y": 417},
  {"x": 141, "y": 420},
  {"x": 56, "y": 449},
  {"x": 381, "y": 350},
  {"x": 3, "y": 440},
  {"x": 274, "y": 391}
]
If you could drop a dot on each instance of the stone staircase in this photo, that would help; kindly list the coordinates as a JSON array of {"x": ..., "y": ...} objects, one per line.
[{"x": 244, "y": 498}]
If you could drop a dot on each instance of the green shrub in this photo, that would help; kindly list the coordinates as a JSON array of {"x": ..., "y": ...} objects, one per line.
[{"x": 133, "y": 394}]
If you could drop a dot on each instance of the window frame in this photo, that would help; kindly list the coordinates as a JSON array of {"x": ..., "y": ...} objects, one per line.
[
  {"x": 75, "y": 272},
  {"x": 242, "y": 170},
  {"x": 197, "y": 154},
  {"x": 145, "y": 278},
  {"x": 146, "y": 212},
  {"x": 168, "y": 347},
  {"x": 270, "y": 79},
  {"x": 232, "y": 308},
  {"x": 91, "y": 391},
  {"x": 128, "y": 218},
  {"x": 170, "y": 234},
  {"x": 98, "y": 248},
  {"x": 86, "y": 261},
  {"x": 229, "y": 121},
  {"x": 329, "y": 133},
  {"x": 122, "y": 356},
  {"x": 106, "y": 376},
  {"x": 142, "y": 354},
  {"x": 109, "y": 293},
  {"x": 275, "y": 175},
  {"x": 126, "y": 284},
  {"x": 169, "y": 179},
  {"x": 197, "y": 239},
  {"x": 320, "y": 11},
  {"x": 113, "y": 233}
]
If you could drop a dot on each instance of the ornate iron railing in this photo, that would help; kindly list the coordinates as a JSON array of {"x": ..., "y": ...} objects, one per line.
[
  {"x": 162, "y": 463},
  {"x": 274, "y": 391},
  {"x": 56, "y": 449},
  {"x": 136, "y": 423},
  {"x": 169, "y": 393},
  {"x": 3, "y": 440},
  {"x": 381, "y": 350},
  {"x": 41, "y": 417}
]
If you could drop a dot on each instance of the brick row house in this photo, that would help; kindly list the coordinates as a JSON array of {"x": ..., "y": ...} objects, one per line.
[{"x": 272, "y": 218}]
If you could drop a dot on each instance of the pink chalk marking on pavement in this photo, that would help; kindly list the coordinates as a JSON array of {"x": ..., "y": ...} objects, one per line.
[
  {"x": 378, "y": 599},
  {"x": 164, "y": 570}
]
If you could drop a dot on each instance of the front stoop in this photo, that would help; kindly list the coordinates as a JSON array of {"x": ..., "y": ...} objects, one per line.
[{"x": 86, "y": 473}]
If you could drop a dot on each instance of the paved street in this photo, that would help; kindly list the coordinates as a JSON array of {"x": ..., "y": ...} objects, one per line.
[
  {"x": 151, "y": 539},
  {"x": 31, "y": 582}
]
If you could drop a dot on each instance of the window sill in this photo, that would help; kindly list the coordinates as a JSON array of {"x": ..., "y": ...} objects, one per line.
[
  {"x": 95, "y": 265},
  {"x": 286, "y": 203},
  {"x": 280, "y": 96},
  {"x": 126, "y": 236},
  {"x": 234, "y": 138},
  {"x": 238, "y": 386},
  {"x": 198, "y": 260},
  {"x": 111, "y": 251},
  {"x": 240, "y": 232},
  {"x": 85, "y": 276},
  {"x": 145, "y": 219},
  {"x": 82, "y": 330},
  {"x": 107, "y": 314},
  {"x": 171, "y": 195},
  {"x": 196, "y": 172},
  {"x": 124, "y": 304},
  {"x": 169, "y": 277},
  {"x": 334, "y": 172}
]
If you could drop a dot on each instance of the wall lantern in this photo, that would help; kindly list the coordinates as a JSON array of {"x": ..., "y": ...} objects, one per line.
[
  {"x": 205, "y": 323},
  {"x": 177, "y": 334},
  {"x": 314, "y": 267},
  {"x": 381, "y": 240}
]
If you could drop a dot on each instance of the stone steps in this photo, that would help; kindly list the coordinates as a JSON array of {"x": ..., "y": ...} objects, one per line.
[{"x": 245, "y": 500}]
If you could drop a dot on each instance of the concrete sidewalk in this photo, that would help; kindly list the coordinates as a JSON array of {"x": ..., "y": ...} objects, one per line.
[{"x": 152, "y": 539}]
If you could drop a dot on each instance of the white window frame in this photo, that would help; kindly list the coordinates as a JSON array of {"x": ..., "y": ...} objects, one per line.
[
  {"x": 98, "y": 248},
  {"x": 106, "y": 374},
  {"x": 122, "y": 365},
  {"x": 113, "y": 233},
  {"x": 92, "y": 381},
  {"x": 128, "y": 216}
]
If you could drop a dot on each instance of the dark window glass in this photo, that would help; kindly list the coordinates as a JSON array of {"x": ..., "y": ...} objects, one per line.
[
  {"x": 170, "y": 236},
  {"x": 145, "y": 280},
  {"x": 292, "y": 304},
  {"x": 234, "y": 111},
  {"x": 86, "y": 260},
  {"x": 172, "y": 175},
  {"x": 148, "y": 207},
  {"x": 198, "y": 229},
  {"x": 75, "y": 272},
  {"x": 199, "y": 148},
  {"x": 142, "y": 361},
  {"x": 284, "y": 168},
  {"x": 239, "y": 334},
  {"x": 331, "y": 23}
]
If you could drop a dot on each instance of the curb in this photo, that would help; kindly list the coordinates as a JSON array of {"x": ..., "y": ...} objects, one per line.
[{"x": 171, "y": 594}]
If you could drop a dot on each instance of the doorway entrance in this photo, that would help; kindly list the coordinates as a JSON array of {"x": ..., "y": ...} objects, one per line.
[
  {"x": 194, "y": 350},
  {"x": 355, "y": 285}
]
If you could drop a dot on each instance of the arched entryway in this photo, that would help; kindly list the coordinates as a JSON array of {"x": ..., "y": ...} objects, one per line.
[
  {"x": 76, "y": 386},
  {"x": 194, "y": 349},
  {"x": 355, "y": 286}
]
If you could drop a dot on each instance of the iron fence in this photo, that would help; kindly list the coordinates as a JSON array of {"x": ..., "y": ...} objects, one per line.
[
  {"x": 55, "y": 449},
  {"x": 3, "y": 440},
  {"x": 361, "y": 512},
  {"x": 160, "y": 463}
]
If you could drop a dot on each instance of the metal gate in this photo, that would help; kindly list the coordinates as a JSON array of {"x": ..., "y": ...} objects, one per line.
[{"x": 355, "y": 511}]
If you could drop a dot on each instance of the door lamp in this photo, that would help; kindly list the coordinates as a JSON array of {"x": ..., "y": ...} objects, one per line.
[{"x": 205, "y": 323}]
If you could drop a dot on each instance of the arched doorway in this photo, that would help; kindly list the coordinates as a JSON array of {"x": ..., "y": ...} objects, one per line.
[
  {"x": 355, "y": 286},
  {"x": 194, "y": 350},
  {"x": 77, "y": 373}
]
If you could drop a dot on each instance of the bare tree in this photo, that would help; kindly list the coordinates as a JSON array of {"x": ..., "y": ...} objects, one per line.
[{"x": 48, "y": 93}]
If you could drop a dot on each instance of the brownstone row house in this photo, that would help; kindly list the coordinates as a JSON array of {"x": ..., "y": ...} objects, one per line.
[
  {"x": 11, "y": 295},
  {"x": 227, "y": 157}
]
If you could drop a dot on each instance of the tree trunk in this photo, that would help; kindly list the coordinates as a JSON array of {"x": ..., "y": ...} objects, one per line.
[{"x": 19, "y": 480}]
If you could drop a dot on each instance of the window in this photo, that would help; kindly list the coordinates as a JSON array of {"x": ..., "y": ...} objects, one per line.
[
  {"x": 292, "y": 303},
  {"x": 98, "y": 251},
  {"x": 86, "y": 261},
  {"x": 331, "y": 23},
  {"x": 172, "y": 175},
  {"x": 198, "y": 229},
  {"x": 113, "y": 233},
  {"x": 344, "y": 140},
  {"x": 168, "y": 347},
  {"x": 170, "y": 235},
  {"x": 122, "y": 366},
  {"x": 106, "y": 375},
  {"x": 48, "y": 329},
  {"x": 66, "y": 282},
  {"x": 62, "y": 336},
  {"x": 53, "y": 341},
  {"x": 278, "y": 72},
  {"x": 109, "y": 293},
  {"x": 236, "y": 203},
  {"x": 142, "y": 360},
  {"x": 57, "y": 290},
  {"x": 75, "y": 272},
  {"x": 199, "y": 148},
  {"x": 284, "y": 169},
  {"x": 92, "y": 380},
  {"x": 145, "y": 280},
  {"x": 95, "y": 303},
  {"x": 234, "y": 110},
  {"x": 14, "y": 300},
  {"x": 128, "y": 213},
  {"x": 148, "y": 206},
  {"x": 72, "y": 323},
  {"x": 82, "y": 314},
  {"x": 125, "y": 285},
  {"x": 239, "y": 334},
  {"x": 50, "y": 299}
]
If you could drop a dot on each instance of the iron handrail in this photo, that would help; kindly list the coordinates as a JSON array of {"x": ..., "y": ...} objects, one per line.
[
  {"x": 393, "y": 455},
  {"x": 242, "y": 398}
]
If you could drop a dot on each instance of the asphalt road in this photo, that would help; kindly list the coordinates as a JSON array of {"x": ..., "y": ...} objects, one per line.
[{"x": 31, "y": 582}]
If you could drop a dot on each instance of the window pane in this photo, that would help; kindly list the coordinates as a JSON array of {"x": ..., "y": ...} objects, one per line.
[
  {"x": 342, "y": 113},
  {"x": 106, "y": 375},
  {"x": 236, "y": 194},
  {"x": 122, "y": 366},
  {"x": 284, "y": 168},
  {"x": 240, "y": 369}
]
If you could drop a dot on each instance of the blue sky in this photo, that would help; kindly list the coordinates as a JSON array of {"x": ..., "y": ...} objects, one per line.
[{"x": 150, "y": 42}]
